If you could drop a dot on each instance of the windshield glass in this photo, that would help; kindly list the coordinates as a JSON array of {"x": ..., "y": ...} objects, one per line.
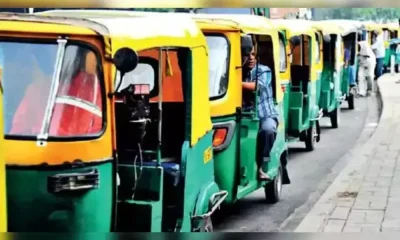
[{"x": 27, "y": 71}]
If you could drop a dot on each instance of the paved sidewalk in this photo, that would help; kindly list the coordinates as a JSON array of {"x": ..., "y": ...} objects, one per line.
[{"x": 366, "y": 194}]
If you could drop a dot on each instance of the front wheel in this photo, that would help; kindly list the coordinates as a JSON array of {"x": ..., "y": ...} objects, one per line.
[
  {"x": 311, "y": 137},
  {"x": 273, "y": 189}
]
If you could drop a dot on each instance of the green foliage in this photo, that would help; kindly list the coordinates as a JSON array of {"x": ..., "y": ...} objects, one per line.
[{"x": 359, "y": 13}]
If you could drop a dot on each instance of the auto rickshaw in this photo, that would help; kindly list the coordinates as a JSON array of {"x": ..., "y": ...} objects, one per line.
[
  {"x": 235, "y": 130},
  {"x": 235, "y": 127},
  {"x": 149, "y": 182},
  {"x": 352, "y": 32},
  {"x": 3, "y": 201},
  {"x": 332, "y": 57},
  {"x": 302, "y": 89},
  {"x": 392, "y": 51},
  {"x": 391, "y": 33}
]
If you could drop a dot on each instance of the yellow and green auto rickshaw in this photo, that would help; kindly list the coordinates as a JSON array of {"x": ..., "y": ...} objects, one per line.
[
  {"x": 235, "y": 130},
  {"x": 332, "y": 57},
  {"x": 3, "y": 200},
  {"x": 352, "y": 33},
  {"x": 91, "y": 143},
  {"x": 64, "y": 178},
  {"x": 391, "y": 36},
  {"x": 302, "y": 89}
]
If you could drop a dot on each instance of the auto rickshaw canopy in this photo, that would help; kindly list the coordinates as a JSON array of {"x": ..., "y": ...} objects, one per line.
[
  {"x": 328, "y": 29},
  {"x": 295, "y": 27},
  {"x": 347, "y": 26}
]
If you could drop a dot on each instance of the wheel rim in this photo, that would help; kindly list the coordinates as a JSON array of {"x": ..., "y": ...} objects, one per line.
[
  {"x": 279, "y": 183},
  {"x": 314, "y": 134}
]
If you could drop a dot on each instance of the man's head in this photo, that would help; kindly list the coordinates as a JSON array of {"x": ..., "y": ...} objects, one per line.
[{"x": 250, "y": 60}]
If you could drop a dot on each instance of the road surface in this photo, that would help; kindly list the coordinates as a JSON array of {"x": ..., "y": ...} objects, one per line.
[{"x": 311, "y": 173}]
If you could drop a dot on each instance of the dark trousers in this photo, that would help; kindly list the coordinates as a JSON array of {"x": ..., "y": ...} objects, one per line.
[{"x": 266, "y": 138}]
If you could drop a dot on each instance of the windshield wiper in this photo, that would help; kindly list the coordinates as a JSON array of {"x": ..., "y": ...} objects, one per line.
[{"x": 55, "y": 82}]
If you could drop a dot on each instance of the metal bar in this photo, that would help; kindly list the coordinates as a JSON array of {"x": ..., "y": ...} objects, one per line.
[
  {"x": 44, "y": 132},
  {"x": 160, "y": 99}
]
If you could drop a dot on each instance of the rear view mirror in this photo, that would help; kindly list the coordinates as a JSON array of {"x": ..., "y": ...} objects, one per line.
[
  {"x": 246, "y": 45},
  {"x": 295, "y": 40},
  {"x": 125, "y": 60}
]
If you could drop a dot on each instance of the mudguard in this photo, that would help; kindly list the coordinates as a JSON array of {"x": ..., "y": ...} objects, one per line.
[{"x": 284, "y": 161}]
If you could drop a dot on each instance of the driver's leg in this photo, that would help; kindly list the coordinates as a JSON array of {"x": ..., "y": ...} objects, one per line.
[{"x": 265, "y": 141}]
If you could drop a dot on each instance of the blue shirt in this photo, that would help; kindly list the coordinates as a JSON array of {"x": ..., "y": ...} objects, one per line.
[
  {"x": 266, "y": 107},
  {"x": 347, "y": 54}
]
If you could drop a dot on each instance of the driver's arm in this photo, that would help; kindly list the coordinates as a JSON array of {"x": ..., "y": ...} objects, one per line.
[{"x": 264, "y": 78}]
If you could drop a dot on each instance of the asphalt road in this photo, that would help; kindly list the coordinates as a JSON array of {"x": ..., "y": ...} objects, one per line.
[{"x": 311, "y": 173}]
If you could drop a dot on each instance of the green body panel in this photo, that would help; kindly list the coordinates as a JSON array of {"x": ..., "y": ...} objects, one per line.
[
  {"x": 236, "y": 166},
  {"x": 31, "y": 208},
  {"x": 226, "y": 163},
  {"x": 140, "y": 210},
  {"x": 331, "y": 89},
  {"x": 388, "y": 53},
  {"x": 345, "y": 81},
  {"x": 386, "y": 60},
  {"x": 199, "y": 180},
  {"x": 159, "y": 205},
  {"x": 249, "y": 128}
]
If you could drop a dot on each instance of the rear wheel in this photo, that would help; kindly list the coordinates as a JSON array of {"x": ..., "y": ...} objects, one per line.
[
  {"x": 273, "y": 189},
  {"x": 335, "y": 117},
  {"x": 311, "y": 134}
]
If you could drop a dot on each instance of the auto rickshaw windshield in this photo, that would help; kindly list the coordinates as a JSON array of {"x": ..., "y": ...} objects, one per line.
[{"x": 28, "y": 75}]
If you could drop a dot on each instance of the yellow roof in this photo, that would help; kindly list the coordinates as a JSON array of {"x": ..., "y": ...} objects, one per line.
[
  {"x": 295, "y": 26},
  {"x": 246, "y": 23},
  {"x": 173, "y": 30},
  {"x": 347, "y": 26},
  {"x": 328, "y": 28}
]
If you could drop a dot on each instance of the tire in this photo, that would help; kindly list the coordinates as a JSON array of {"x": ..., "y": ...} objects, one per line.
[
  {"x": 350, "y": 101},
  {"x": 273, "y": 189},
  {"x": 310, "y": 138},
  {"x": 335, "y": 117}
]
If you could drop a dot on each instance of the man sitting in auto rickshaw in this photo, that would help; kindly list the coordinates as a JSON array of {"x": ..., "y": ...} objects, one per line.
[{"x": 267, "y": 113}]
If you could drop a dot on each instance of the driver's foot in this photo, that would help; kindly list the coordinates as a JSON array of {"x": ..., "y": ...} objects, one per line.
[{"x": 263, "y": 176}]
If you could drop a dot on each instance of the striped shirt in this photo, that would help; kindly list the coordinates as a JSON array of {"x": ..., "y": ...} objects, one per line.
[{"x": 266, "y": 107}]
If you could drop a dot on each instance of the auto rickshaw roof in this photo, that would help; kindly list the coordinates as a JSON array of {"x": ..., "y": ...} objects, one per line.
[
  {"x": 144, "y": 32},
  {"x": 295, "y": 26},
  {"x": 328, "y": 28},
  {"x": 203, "y": 23},
  {"x": 392, "y": 26},
  {"x": 347, "y": 26},
  {"x": 373, "y": 26}
]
